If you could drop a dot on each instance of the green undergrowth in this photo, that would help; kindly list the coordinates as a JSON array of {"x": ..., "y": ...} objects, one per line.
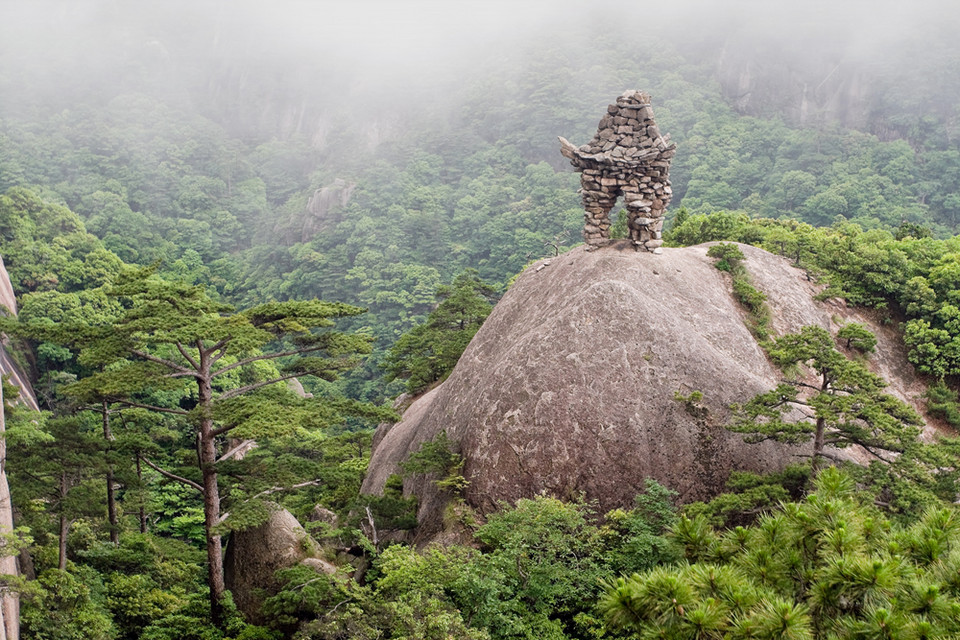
[{"x": 729, "y": 258}]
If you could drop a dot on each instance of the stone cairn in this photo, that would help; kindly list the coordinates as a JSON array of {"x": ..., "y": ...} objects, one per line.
[{"x": 627, "y": 157}]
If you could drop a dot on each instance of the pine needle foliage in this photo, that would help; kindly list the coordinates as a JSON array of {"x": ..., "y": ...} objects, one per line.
[
  {"x": 218, "y": 370},
  {"x": 845, "y": 407},
  {"x": 827, "y": 567}
]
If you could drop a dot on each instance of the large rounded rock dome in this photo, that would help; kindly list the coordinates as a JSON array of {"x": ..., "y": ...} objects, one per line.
[{"x": 570, "y": 386}]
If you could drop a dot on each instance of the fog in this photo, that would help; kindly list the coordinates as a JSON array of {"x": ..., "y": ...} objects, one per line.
[{"x": 408, "y": 54}]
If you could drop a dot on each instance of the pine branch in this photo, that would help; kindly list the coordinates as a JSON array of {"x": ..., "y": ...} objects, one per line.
[
  {"x": 167, "y": 363},
  {"x": 266, "y": 356},
  {"x": 822, "y": 454},
  {"x": 797, "y": 383},
  {"x": 183, "y": 352},
  {"x": 866, "y": 447},
  {"x": 373, "y": 528},
  {"x": 267, "y": 492},
  {"x": 239, "y": 391},
  {"x": 131, "y": 403},
  {"x": 244, "y": 446},
  {"x": 172, "y": 476},
  {"x": 221, "y": 347}
]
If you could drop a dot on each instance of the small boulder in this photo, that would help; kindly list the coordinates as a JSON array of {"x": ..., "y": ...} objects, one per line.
[
  {"x": 324, "y": 515},
  {"x": 254, "y": 555}
]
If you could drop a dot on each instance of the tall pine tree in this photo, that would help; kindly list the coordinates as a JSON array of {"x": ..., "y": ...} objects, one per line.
[{"x": 175, "y": 337}]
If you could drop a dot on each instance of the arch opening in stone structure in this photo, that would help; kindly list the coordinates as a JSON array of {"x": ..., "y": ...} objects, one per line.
[{"x": 629, "y": 159}]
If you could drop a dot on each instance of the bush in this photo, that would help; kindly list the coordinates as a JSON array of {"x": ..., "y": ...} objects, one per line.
[
  {"x": 858, "y": 337},
  {"x": 728, "y": 257},
  {"x": 67, "y": 606}
]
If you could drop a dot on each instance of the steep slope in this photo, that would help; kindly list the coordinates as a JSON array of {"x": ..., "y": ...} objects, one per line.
[
  {"x": 9, "y": 601},
  {"x": 569, "y": 386}
]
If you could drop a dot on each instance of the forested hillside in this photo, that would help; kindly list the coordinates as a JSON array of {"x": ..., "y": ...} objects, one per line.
[
  {"x": 179, "y": 181},
  {"x": 155, "y": 147}
]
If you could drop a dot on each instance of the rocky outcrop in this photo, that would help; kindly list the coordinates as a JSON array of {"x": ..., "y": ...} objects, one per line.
[
  {"x": 9, "y": 602},
  {"x": 254, "y": 555},
  {"x": 8, "y": 366},
  {"x": 569, "y": 387},
  {"x": 322, "y": 211}
]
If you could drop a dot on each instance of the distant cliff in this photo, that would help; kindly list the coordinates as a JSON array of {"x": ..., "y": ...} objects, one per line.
[
  {"x": 9, "y": 603},
  {"x": 8, "y": 366},
  {"x": 569, "y": 386}
]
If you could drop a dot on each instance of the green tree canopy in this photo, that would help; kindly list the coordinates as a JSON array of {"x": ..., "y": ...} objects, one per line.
[
  {"x": 829, "y": 567},
  {"x": 174, "y": 336},
  {"x": 846, "y": 407},
  {"x": 428, "y": 352}
]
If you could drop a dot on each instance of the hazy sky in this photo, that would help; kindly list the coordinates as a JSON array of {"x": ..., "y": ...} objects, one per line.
[
  {"x": 415, "y": 46},
  {"x": 399, "y": 34}
]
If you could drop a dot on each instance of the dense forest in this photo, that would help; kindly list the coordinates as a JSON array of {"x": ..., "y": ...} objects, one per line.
[{"x": 221, "y": 244}]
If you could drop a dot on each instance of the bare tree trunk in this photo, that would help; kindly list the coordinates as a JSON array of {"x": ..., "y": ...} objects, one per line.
[
  {"x": 820, "y": 434},
  {"x": 818, "y": 439},
  {"x": 111, "y": 498},
  {"x": 143, "y": 506},
  {"x": 211, "y": 493}
]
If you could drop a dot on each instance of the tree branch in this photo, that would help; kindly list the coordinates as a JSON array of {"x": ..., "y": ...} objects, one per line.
[
  {"x": 239, "y": 391},
  {"x": 172, "y": 476},
  {"x": 183, "y": 352},
  {"x": 167, "y": 363},
  {"x": 797, "y": 383},
  {"x": 336, "y": 607},
  {"x": 822, "y": 455},
  {"x": 299, "y": 485},
  {"x": 373, "y": 528},
  {"x": 266, "y": 356},
  {"x": 220, "y": 346},
  {"x": 243, "y": 447},
  {"x": 131, "y": 403},
  {"x": 271, "y": 490}
]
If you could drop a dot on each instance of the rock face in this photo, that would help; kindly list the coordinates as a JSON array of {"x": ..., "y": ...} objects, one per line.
[
  {"x": 9, "y": 601},
  {"x": 255, "y": 554},
  {"x": 323, "y": 210},
  {"x": 628, "y": 158},
  {"x": 569, "y": 386},
  {"x": 8, "y": 304}
]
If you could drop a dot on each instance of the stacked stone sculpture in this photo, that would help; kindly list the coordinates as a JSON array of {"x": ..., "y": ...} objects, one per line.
[{"x": 627, "y": 158}]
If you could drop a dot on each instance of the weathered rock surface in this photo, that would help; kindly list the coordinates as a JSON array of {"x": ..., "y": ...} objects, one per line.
[
  {"x": 569, "y": 386},
  {"x": 8, "y": 304},
  {"x": 323, "y": 210},
  {"x": 9, "y": 600},
  {"x": 255, "y": 554}
]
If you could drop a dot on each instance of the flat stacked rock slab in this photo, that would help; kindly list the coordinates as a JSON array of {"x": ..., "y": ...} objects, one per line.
[{"x": 628, "y": 158}]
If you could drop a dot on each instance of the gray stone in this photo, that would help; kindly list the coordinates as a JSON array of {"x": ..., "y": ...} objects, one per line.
[
  {"x": 324, "y": 515},
  {"x": 254, "y": 555},
  {"x": 626, "y": 151},
  {"x": 560, "y": 412}
]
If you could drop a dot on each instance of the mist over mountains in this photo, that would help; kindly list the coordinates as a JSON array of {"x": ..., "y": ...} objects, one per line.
[
  {"x": 182, "y": 184},
  {"x": 288, "y": 69}
]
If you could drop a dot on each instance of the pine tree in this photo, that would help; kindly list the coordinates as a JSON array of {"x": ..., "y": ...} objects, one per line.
[
  {"x": 827, "y": 567},
  {"x": 846, "y": 407},
  {"x": 208, "y": 362},
  {"x": 429, "y": 352}
]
